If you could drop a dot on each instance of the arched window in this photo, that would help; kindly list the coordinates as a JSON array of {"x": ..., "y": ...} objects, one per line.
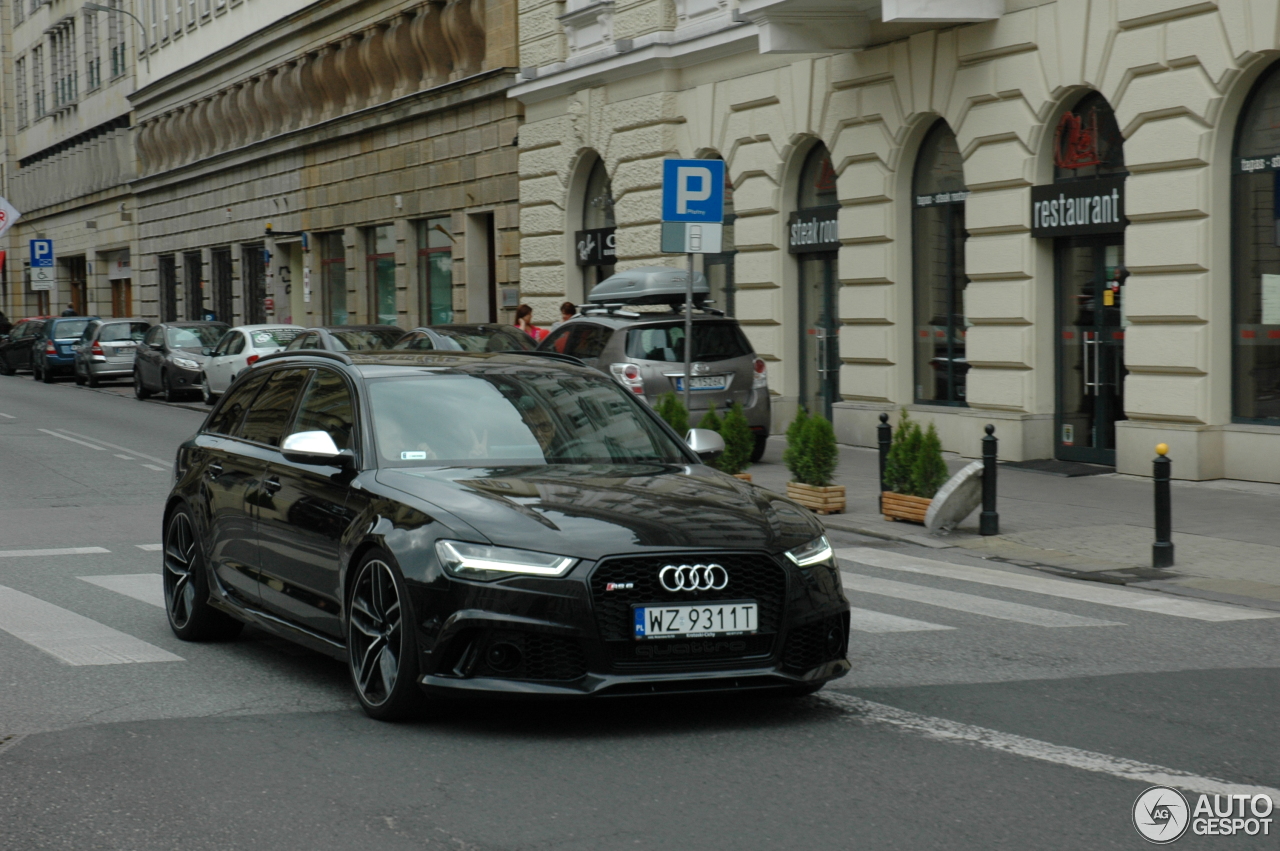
[
  {"x": 719, "y": 267},
  {"x": 1255, "y": 248},
  {"x": 814, "y": 241},
  {"x": 597, "y": 215},
  {"x": 938, "y": 235}
]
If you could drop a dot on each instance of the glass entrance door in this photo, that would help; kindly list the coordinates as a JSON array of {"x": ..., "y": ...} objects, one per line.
[
  {"x": 819, "y": 340},
  {"x": 1091, "y": 325}
]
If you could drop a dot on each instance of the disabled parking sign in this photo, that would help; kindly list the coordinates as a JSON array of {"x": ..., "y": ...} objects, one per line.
[
  {"x": 693, "y": 191},
  {"x": 42, "y": 272}
]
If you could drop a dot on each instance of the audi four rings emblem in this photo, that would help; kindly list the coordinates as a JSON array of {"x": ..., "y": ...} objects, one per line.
[{"x": 694, "y": 577}]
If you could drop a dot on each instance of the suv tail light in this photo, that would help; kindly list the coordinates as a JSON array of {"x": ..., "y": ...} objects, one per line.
[
  {"x": 628, "y": 374},
  {"x": 760, "y": 380},
  {"x": 50, "y": 348},
  {"x": 251, "y": 360},
  {"x": 96, "y": 349}
]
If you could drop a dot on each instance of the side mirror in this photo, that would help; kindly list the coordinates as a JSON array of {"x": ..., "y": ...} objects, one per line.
[
  {"x": 156, "y": 346},
  {"x": 706, "y": 443},
  {"x": 316, "y": 447},
  {"x": 207, "y": 351}
]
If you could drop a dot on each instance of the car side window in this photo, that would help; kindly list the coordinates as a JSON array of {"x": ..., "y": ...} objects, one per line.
[
  {"x": 312, "y": 342},
  {"x": 266, "y": 418},
  {"x": 588, "y": 340},
  {"x": 236, "y": 344},
  {"x": 326, "y": 406},
  {"x": 226, "y": 418},
  {"x": 153, "y": 336},
  {"x": 415, "y": 342},
  {"x": 558, "y": 340}
]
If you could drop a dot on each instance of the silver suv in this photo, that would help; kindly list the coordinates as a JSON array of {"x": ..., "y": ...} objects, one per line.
[{"x": 645, "y": 353}]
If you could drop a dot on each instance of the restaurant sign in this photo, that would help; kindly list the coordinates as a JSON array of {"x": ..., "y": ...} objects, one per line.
[
  {"x": 815, "y": 229},
  {"x": 1078, "y": 208}
]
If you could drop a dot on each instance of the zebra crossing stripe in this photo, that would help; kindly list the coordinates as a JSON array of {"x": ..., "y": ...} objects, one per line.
[
  {"x": 971, "y": 603},
  {"x": 69, "y": 637},
  {"x": 147, "y": 587},
  {"x": 65, "y": 551},
  {"x": 1088, "y": 592},
  {"x": 866, "y": 620}
]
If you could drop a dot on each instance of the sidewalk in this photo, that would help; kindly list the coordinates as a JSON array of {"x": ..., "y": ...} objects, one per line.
[{"x": 1226, "y": 533}]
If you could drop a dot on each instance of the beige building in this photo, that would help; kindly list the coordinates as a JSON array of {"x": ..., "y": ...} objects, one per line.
[
  {"x": 1057, "y": 217},
  {"x": 327, "y": 163}
]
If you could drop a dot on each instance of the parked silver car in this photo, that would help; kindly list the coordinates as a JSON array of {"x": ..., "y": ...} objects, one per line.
[
  {"x": 106, "y": 349},
  {"x": 645, "y": 351}
]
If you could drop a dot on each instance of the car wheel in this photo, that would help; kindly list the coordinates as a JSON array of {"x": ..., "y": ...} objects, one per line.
[
  {"x": 138, "y": 389},
  {"x": 186, "y": 586},
  {"x": 47, "y": 375},
  {"x": 209, "y": 398},
  {"x": 93, "y": 380},
  {"x": 35, "y": 370},
  {"x": 78, "y": 377},
  {"x": 381, "y": 651},
  {"x": 166, "y": 392},
  {"x": 757, "y": 451},
  {"x": 5, "y": 368}
]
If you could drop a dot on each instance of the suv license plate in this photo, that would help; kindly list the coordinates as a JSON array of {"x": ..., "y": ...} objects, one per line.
[
  {"x": 702, "y": 620},
  {"x": 702, "y": 382}
]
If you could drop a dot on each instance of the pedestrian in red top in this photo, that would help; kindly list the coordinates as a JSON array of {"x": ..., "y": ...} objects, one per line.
[{"x": 524, "y": 321}]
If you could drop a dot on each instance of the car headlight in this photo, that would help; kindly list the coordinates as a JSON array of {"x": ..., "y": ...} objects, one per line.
[
  {"x": 186, "y": 363},
  {"x": 485, "y": 563},
  {"x": 816, "y": 551}
]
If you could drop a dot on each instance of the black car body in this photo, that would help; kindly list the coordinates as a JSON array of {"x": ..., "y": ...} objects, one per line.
[
  {"x": 467, "y": 338},
  {"x": 347, "y": 338},
  {"x": 170, "y": 358},
  {"x": 15, "y": 347},
  {"x": 284, "y": 539}
]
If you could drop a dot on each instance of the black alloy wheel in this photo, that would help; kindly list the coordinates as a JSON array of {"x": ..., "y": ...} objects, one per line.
[
  {"x": 139, "y": 389},
  {"x": 186, "y": 586},
  {"x": 381, "y": 650}
]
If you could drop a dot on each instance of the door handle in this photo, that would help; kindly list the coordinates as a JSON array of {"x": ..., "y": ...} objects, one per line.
[
  {"x": 1084, "y": 349},
  {"x": 214, "y": 470},
  {"x": 271, "y": 485}
]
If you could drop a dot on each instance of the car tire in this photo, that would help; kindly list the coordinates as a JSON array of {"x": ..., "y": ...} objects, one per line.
[
  {"x": 382, "y": 652},
  {"x": 47, "y": 375},
  {"x": 5, "y": 368},
  {"x": 167, "y": 393},
  {"x": 757, "y": 451},
  {"x": 186, "y": 586},
  {"x": 80, "y": 379},
  {"x": 205, "y": 394},
  {"x": 35, "y": 370},
  {"x": 93, "y": 380},
  {"x": 139, "y": 389}
]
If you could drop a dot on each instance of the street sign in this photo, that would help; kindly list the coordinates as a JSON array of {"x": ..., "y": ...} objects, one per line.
[
  {"x": 693, "y": 191},
  {"x": 42, "y": 271},
  {"x": 685, "y": 238}
]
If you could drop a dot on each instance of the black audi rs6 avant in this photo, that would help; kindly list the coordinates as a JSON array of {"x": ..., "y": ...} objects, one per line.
[{"x": 491, "y": 524}]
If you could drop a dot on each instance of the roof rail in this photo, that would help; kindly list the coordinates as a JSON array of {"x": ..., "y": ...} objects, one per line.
[
  {"x": 551, "y": 355},
  {"x": 612, "y": 309},
  {"x": 341, "y": 357}
]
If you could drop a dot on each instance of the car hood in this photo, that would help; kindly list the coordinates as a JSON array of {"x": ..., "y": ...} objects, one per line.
[{"x": 590, "y": 511}]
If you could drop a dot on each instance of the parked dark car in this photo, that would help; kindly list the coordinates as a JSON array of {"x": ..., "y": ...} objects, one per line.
[
  {"x": 15, "y": 347},
  {"x": 53, "y": 351},
  {"x": 491, "y": 524},
  {"x": 171, "y": 357},
  {"x": 467, "y": 338},
  {"x": 107, "y": 348},
  {"x": 347, "y": 338}
]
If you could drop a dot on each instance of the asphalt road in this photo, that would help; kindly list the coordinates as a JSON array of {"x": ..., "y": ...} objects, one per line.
[{"x": 986, "y": 710}]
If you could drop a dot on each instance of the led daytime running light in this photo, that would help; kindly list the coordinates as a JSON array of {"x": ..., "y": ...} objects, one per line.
[
  {"x": 463, "y": 559},
  {"x": 817, "y": 550}
]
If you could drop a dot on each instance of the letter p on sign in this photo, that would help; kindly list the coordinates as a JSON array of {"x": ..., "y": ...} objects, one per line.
[{"x": 693, "y": 191}]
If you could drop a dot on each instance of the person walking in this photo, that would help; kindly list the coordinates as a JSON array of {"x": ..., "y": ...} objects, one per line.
[
  {"x": 70, "y": 311},
  {"x": 567, "y": 311},
  {"x": 524, "y": 321}
]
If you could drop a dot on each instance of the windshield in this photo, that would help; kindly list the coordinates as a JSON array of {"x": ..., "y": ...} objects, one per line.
[
  {"x": 712, "y": 341},
  {"x": 196, "y": 338},
  {"x": 266, "y": 338},
  {"x": 365, "y": 339},
  {"x": 477, "y": 339},
  {"x": 523, "y": 416},
  {"x": 118, "y": 331},
  {"x": 69, "y": 328}
]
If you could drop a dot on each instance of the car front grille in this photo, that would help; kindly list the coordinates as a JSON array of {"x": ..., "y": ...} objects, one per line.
[
  {"x": 810, "y": 645},
  {"x": 634, "y": 580}
]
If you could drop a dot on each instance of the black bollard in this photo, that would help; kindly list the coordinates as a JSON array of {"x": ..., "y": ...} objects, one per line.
[
  {"x": 884, "y": 432},
  {"x": 1162, "y": 549},
  {"x": 989, "y": 520}
]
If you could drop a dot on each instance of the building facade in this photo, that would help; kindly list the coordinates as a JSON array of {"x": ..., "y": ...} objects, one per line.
[
  {"x": 68, "y": 72},
  {"x": 346, "y": 162},
  {"x": 1058, "y": 217}
]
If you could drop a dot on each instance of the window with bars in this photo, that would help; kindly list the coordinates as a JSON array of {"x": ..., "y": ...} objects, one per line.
[
  {"x": 37, "y": 82},
  {"x": 65, "y": 73},
  {"x": 92, "y": 51},
  {"x": 20, "y": 84},
  {"x": 115, "y": 39}
]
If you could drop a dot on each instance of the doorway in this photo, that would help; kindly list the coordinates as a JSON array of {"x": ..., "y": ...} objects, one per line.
[
  {"x": 1091, "y": 324},
  {"x": 819, "y": 333}
]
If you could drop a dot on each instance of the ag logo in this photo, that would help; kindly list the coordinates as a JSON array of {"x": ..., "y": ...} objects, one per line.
[{"x": 1161, "y": 815}]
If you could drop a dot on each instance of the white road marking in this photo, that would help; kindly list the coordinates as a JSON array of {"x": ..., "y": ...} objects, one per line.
[
  {"x": 865, "y": 620},
  {"x": 127, "y": 457},
  {"x": 8, "y": 416},
  {"x": 1089, "y": 592},
  {"x": 970, "y": 603},
  {"x": 941, "y": 729},
  {"x": 147, "y": 587},
  {"x": 73, "y": 638},
  {"x": 154, "y": 467},
  {"x": 72, "y": 439},
  {"x": 67, "y": 551},
  {"x": 113, "y": 446},
  {"x": 150, "y": 548}
]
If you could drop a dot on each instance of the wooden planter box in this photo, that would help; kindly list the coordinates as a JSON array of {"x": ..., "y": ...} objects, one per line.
[
  {"x": 828, "y": 500},
  {"x": 899, "y": 506},
  {"x": 746, "y": 477}
]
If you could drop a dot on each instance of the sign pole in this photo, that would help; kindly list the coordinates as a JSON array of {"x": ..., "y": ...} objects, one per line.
[{"x": 688, "y": 336}]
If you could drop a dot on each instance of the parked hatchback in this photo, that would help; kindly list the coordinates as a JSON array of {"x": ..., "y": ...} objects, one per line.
[
  {"x": 238, "y": 350},
  {"x": 53, "y": 350},
  {"x": 347, "y": 338},
  {"x": 172, "y": 356},
  {"x": 467, "y": 338},
  {"x": 645, "y": 351},
  {"x": 106, "y": 349},
  {"x": 15, "y": 347}
]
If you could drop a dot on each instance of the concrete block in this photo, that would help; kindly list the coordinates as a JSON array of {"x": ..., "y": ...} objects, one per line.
[
  {"x": 1167, "y": 194},
  {"x": 1168, "y": 246},
  {"x": 1170, "y": 298},
  {"x": 1007, "y": 389},
  {"x": 1007, "y": 345},
  {"x": 1165, "y": 347},
  {"x": 1167, "y": 397},
  {"x": 875, "y": 301},
  {"x": 867, "y": 343},
  {"x": 1000, "y": 301}
]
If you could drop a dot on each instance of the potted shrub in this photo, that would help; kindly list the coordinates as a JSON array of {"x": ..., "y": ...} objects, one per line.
[
  {"x": 913, "y": 472},
  {"x": 671, "y": 409},
  {"x": 812, "y": 456},
  {"x": 738, "y": 443}
]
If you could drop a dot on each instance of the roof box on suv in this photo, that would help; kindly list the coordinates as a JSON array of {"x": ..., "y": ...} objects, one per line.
[{"x": 649, "y": 285}]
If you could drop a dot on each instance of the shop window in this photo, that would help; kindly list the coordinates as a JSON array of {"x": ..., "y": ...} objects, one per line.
[
  {"x": 435, "y": 272},
  {"x": 719, "y": 267},
  {"x": 597, "y": 214},
  {"x": 168, "y": 287},
  {"x": 333, "y": 278},
  {"x": 938, "y": 237},
  {"x": 381, "y": 257},
  {"x": 1255, "y": 267}
]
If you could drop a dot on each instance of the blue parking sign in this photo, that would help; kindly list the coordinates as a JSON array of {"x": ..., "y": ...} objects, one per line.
[
  {"x": 42, "y": 253},
  {"x": 693, "y": 191}
]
